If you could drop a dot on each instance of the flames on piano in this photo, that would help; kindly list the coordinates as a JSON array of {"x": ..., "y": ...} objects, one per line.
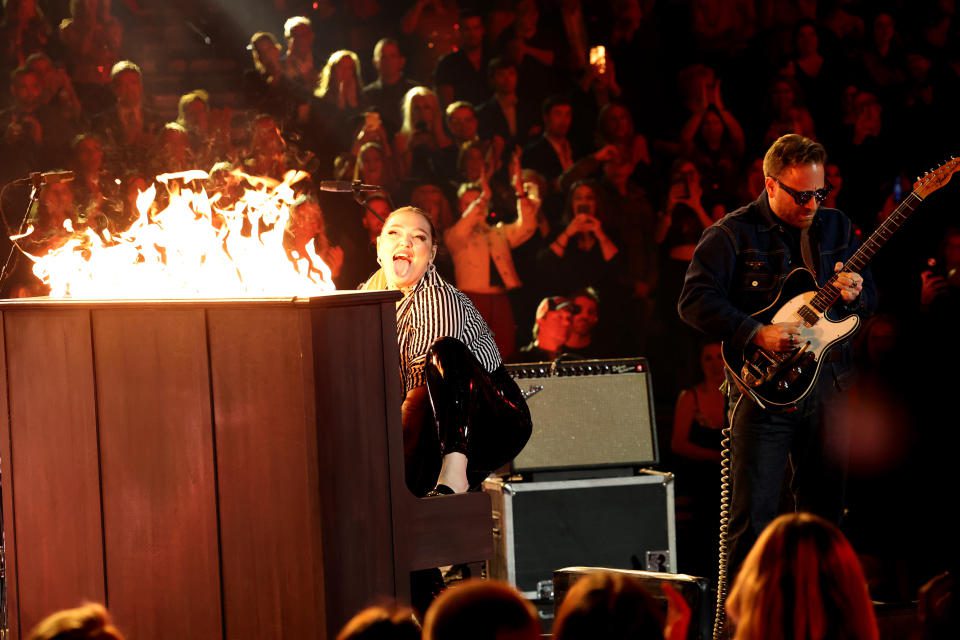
[{"x": 188, "y": 244}]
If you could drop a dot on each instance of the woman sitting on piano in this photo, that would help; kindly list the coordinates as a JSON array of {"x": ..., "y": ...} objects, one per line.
[{"x": 463, "y": 415}]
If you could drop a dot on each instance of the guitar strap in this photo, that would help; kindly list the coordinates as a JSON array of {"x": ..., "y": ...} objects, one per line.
[{"x": 806, "y": 251}]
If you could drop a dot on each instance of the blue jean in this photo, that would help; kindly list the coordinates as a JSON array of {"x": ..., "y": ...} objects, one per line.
[{"x": 765, "y": 445}]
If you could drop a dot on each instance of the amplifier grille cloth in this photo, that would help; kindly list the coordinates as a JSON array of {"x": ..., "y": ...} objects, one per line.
[{"x": 588, "y": 421}]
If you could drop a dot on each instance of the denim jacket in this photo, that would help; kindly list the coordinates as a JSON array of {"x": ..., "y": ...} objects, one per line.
[{"x": 742, "y": 260}]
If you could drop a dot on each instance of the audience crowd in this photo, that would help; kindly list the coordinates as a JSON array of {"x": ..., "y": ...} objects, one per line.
[
  {"x": 643, "y": 122},
  {"x": 640, "y": 122},
  {"x": 801, "y": 580}
]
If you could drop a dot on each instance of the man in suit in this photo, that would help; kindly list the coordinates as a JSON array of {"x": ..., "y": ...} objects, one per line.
[
  {"x": 505, "y": 119},
  {"x": 551, "y": 154}
]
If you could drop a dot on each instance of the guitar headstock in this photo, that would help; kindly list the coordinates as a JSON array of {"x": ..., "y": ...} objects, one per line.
[{"x": 936, "y": 178}]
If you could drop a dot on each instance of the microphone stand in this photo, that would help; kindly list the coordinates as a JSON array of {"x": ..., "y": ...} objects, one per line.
[
  {"x": 358, "y": 189},
  {"x": 361, "y": 200},
  {"x": 34, "y": 195},
  {"x": 36, "y": 181},
  {"x": 36, "y": 186}
]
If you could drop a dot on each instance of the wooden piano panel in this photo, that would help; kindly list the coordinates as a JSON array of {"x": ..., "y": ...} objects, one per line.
[
  {"x": 159, "y": 494},
  {"x": 272, "y": 547},
  {"x": 55, "y": 555},
  {"x": 354, "y": 457},
  {"x": 227, "y": 469}
]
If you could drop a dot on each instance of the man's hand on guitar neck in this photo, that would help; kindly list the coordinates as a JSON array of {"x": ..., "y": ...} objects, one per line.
[
  {"x": 850, "y": 284},
  {"x": 782, "y": 336}
]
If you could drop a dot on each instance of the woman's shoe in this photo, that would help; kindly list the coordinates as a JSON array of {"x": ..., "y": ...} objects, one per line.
[{"x": 440, "y": 490}]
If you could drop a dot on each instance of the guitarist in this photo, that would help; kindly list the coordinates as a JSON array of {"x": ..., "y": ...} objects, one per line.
[{"x": 737, "y": 269}]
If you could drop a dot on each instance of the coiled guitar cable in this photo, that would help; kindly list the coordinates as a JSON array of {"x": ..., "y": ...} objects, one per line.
[
  {"x": 726, "y": 455},
  {"x": 720, "y": 616}
]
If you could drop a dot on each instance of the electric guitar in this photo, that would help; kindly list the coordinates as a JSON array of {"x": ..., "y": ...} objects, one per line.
[{"x": 778, "y": 380}]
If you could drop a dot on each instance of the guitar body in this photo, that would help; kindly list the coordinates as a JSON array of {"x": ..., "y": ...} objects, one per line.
[{"x": 777, "y": 381}]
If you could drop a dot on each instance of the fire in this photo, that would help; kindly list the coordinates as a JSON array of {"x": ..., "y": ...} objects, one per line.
[{"x": 191, "y": 248}]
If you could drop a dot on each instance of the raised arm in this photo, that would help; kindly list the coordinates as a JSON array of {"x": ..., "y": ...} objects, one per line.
[
  {"x": 528, "y": 204},
  {"x": 523, "y": 228},
  {"x": 586, "y": 166},
  {"x": 474, "y": 215}
]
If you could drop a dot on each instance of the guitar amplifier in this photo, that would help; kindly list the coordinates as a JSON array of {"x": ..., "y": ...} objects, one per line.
[{"x": 587, "y": 414}]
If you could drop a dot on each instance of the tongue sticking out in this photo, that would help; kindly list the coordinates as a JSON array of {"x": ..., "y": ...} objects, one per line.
[{"x": 401, "y": 266}]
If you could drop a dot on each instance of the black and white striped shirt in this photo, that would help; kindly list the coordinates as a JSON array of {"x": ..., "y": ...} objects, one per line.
[{"x": 433, "y": 310}]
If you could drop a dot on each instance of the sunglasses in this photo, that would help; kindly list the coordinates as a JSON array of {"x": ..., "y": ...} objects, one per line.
[{"x": 803, "y": 197}]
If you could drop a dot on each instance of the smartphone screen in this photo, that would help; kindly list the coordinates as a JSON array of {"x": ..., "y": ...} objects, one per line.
[{"x": 598, "y": 58}]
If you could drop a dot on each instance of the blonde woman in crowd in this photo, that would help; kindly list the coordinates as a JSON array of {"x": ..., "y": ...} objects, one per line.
[
  {"x": 88, "y": 622},
  {"x": 801, "y": 580}
]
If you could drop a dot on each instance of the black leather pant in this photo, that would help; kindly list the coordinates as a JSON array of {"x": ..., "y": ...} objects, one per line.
[{"x": 481, "y": 415}]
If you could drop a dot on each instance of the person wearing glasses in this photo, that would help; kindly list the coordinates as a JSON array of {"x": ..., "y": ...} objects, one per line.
[{"x": 736, "y": 270}]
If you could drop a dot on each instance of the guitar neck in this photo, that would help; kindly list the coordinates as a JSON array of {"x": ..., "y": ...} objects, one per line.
[{"x": 829, "y": 292}]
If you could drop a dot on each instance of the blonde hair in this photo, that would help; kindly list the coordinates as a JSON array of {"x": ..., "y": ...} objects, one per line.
[
  {"x": 123, "y": 66},
  {"x": 801, "y": 580},
  {"x": 436, "y": 126},
  {"x": 460, "y": 104},
  {"x": 324, "y": 83},
  {"x": 88, "y": 622},
  {"x": 255, "y": 53},
  {"x": 378, "y": 48},
  {"x": 367, "y": 146},
  {"x": 188, "y": 98},
  {"x": 293, "y": 23}
]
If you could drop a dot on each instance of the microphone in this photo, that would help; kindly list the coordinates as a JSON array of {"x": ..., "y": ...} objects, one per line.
[
  {"x": 50, "y": 177},
  {"x": 345, "y": 186}
]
